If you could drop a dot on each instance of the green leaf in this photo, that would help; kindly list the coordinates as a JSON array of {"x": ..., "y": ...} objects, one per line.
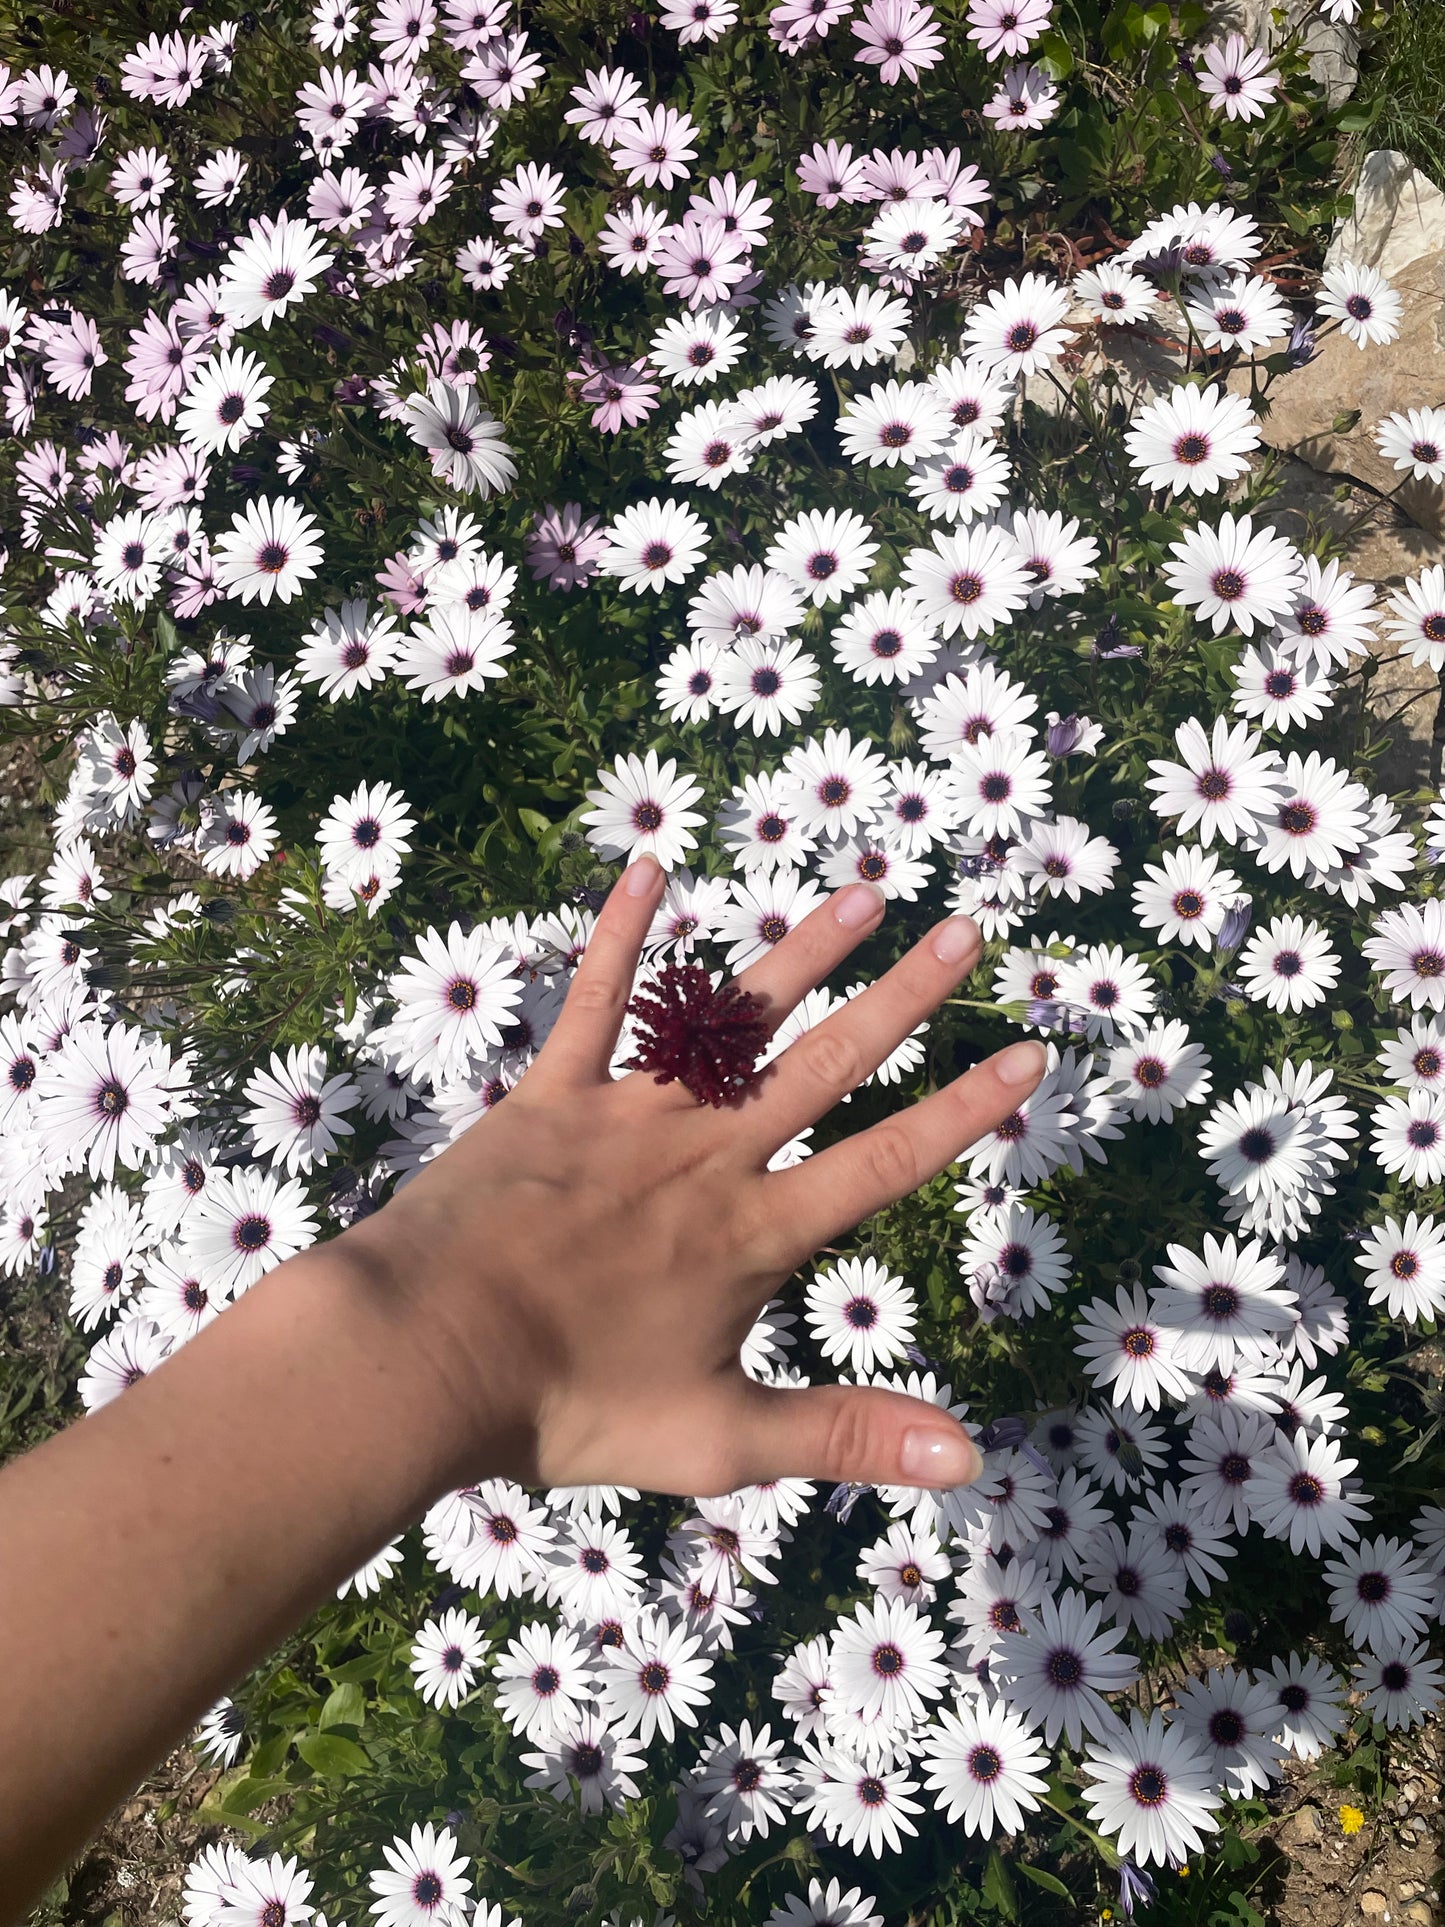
[
  {"x": 248, "y": 1794},
  {"x": 1041, "y": 1877},
  {"x": 998, "y": 1888},
  {"x": 346, "y": 1706},
  {"x": 328, "y": 1753},
  {"x": 270, "y": 1755}
]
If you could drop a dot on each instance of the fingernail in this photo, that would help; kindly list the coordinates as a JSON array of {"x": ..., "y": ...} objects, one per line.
[
  {"x": 1020, "y": 1064},
  {"x": 930, "y": 1456},
  {"x": 858, "y": 906},
  {"x": 955, "y": 940},
  {"x": 642, "y": 876}
]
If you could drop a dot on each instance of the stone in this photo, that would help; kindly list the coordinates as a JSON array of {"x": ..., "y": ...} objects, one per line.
[
  {"x": 1373, "y": 1905},
  {"x": 1303, "y": 1828},
  {"x": 1326, "y": 413},
  {"x": 1384, "y": 548},
  {"x": 1127, "y": 365},
  {"x": 1421, "y": 1913},
  {"x": 1398, "y": 217},
  {"x": 1332, "y": 46}
]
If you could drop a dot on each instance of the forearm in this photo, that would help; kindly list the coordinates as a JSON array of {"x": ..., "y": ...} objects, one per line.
[{"x": 155, "y": 1551}]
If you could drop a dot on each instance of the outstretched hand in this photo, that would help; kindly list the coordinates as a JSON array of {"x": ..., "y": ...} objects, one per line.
[{"x": 584, "y": 1263}]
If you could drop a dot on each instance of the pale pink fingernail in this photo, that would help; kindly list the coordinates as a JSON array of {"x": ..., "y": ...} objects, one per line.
[
  {"x": 927, "y": 1455},
  {"x": 858, "y": 905},
  {"x": 1020, "y": 1064},
  {"x": 642, "y": 875},
  {"x": 955, "y": 940}
]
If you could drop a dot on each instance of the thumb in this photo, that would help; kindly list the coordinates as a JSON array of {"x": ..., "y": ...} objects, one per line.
[{"x": 847, "y": 1432}]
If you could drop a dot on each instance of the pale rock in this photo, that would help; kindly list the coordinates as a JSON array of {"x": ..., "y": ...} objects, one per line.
[
  {"x": 1398, "y": 217},
  {"x": 1333, "y": 47},
  {"x": 1373, "y": 1905},
  {"x": 1130, "y": 365},
  {"x": 1384, "y": 548},
  {"x": 1398, "y": 225},
  {"x": 1420, "y": 1913},
  {"x": 1303, "y": 1828}
]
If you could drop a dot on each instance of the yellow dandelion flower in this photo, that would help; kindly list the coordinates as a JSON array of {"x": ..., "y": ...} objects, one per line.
[{"x": 1351, "y": 1819}]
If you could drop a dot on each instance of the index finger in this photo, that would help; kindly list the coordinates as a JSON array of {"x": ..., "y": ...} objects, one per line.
[{"x": 585, "y": 1034}]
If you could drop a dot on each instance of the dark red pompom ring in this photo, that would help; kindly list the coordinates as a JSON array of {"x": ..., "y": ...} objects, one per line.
[{"x": 690, "y": 1033}]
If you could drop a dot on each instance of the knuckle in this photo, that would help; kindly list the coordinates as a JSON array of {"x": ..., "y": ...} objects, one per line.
[
  {"x": 832, "y": 1060},
  {"x": 892, "y": 1160},
  {"x": 852, "y": 1437},
  {"x": 595, "y": 996}
]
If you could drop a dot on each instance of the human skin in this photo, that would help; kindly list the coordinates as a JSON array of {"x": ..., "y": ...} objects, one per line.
[{"x": 559, "y": 1298}]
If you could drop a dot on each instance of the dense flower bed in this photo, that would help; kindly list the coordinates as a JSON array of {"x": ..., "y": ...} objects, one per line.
[{"x": 449, "y": 456}]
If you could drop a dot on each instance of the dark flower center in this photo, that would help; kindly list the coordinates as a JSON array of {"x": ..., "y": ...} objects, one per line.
[
  {"x": 111, "y": 1100},
  {"x": 1219, "y": 1301},
  {"x": 1226, "y": 1728},
  {"x": 252, "y": 1234}
]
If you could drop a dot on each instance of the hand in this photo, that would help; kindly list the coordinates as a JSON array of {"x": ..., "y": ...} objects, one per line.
[{"x": 583, "y": 1264}]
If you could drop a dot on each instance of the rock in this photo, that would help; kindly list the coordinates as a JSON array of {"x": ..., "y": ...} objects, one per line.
[
  {"x": 1398, "y": 225},
  {"x": 1119, "y": 364},
  {"x": 1408, "y": 1889},
  {"x": 1374, "y": 1905},
  {"x": 1384, "y": 549},
  {"x": 1303, "y": 1827},
  {"x": 1333, "y": 47},
  {"x": 1398, "y": 217},
  {"x": 1421, "y": 1913}
]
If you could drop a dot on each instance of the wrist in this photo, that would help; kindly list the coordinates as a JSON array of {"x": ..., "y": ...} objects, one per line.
[{"x": 444, "y": 1366}]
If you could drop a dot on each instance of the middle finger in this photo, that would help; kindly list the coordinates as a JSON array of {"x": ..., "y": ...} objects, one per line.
[{"x": 834, "y": 1057}]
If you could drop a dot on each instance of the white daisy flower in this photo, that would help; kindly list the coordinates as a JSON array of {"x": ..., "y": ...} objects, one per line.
[{"x": 446, "y": 1658}]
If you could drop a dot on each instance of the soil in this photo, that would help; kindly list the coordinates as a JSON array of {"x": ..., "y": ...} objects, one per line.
[
  {"x": 132, "y": 1873},
  {"x": 1391, "y": 1871}
]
